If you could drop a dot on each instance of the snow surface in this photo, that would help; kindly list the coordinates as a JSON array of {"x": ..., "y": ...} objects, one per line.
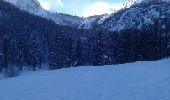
[
  {"x": 87, "y": 23},
  {"x": 129, "y": 3},
  {"x": 133, "y": 81}
]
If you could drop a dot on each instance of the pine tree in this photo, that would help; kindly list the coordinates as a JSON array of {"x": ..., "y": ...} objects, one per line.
[
  {"x": 5, "y": 53},
  {"x": 98, "y": 49},
  {"x": 1, "y": 56},
  {"x": 34, "y": 52}
]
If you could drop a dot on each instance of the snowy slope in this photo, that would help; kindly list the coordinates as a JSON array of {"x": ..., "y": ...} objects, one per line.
[
  {"x": 34, "y": 7},
  {"x": 92, "y": 21},
  {"x": 129, "y": 3},
  {"x": 138, "y": 16},
  {"x": 136, "y": 81}
]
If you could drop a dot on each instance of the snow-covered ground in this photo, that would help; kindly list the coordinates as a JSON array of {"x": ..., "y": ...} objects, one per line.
[{"x": 136, "y": 81}]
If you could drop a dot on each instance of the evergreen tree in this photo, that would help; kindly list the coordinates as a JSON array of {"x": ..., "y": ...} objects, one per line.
[
  {"x": 98, "y": 49},
  {"x": 1, "y": 55},
  {"x": 34, "y": 52},
  {"x": 5, "y": 53}
]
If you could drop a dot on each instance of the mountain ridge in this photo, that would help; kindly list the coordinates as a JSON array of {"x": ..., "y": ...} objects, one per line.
[
  {"x": 138, "y": 16},
  {"x": 34, "y": 7}
]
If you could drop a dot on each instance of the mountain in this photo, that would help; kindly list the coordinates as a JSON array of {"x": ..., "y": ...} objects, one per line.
[
  {"x": 129, "y": 3},
  {"x": 92, "y": 21},
  {"x": 31, "y": 6},
  {"x": 130, "y": 16},
  {"x": 34, "y": 7},
  {"x": 139, "y": 15}
]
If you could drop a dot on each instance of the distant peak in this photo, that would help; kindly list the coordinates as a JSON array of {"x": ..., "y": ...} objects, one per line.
[
  {"x": 23, "y": 1},
  {"x": 129, "y": 3}
]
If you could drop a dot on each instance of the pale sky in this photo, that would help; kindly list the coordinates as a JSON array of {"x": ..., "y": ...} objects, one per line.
[{"x": 82, "y": 7}]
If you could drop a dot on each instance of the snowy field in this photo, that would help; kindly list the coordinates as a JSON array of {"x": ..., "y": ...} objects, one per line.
[{"x": 136, "y": 81}]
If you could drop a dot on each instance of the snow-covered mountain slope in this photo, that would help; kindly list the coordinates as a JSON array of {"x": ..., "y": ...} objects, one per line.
[
  {"x": 94, "y": 21},
  {"x": 129, "y": 3},
  {"x": 135, "y": 81},
  {"x": 137, "y": 16},
  {"x": 88, "y": 23},
  {"x": 91, "y": 22},
  {"x": 34, "y": 7}
]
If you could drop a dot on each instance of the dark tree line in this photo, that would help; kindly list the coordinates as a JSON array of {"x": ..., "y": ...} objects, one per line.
[{"x": 29, "y": 40}]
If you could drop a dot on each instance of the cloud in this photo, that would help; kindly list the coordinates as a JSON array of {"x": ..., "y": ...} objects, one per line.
[
  {"x": 81, "y": 7},
  {"x": 45, "y": 5},
  {"x": 51, "y": 4},
  {"x": 59, "y": 2},
  {"x": 102, "y": 7}
]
